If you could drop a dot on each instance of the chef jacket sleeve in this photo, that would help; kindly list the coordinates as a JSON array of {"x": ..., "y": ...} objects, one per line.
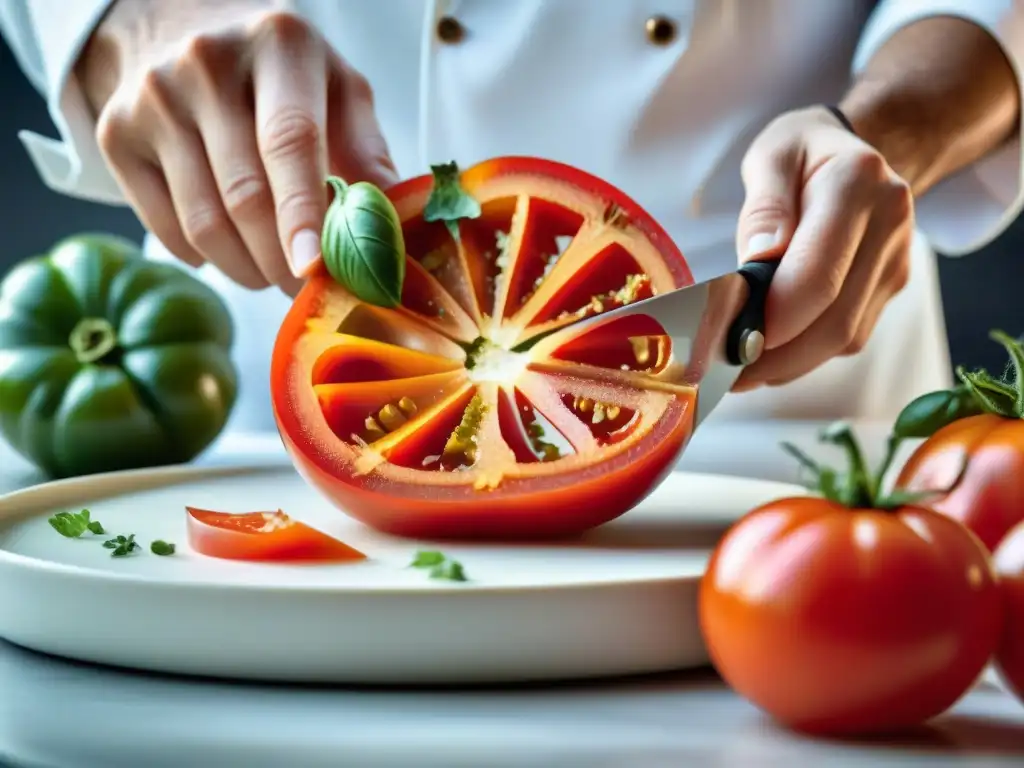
[
  {"x": 965, "y": 211},
  {"x": 46, "y": 37}
]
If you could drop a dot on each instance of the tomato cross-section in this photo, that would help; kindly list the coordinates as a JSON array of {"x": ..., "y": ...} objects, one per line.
[{"x": 472, "y": 410}]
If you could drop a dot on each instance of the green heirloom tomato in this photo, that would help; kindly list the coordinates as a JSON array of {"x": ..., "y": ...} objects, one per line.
[{"x": 109, "y": 361}]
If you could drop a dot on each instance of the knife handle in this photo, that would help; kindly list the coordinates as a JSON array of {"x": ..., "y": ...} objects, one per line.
[{"x": 744, "y": 342}]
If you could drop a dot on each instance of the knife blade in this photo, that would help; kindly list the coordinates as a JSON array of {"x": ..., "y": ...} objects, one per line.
[{"x": 715, "y": 328}]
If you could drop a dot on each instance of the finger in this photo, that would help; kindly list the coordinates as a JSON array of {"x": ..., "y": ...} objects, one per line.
[
  {"x": 228, "y": 129},
  {"x": 845, "y": 326},
  {"x": 894, "y": 280},
  {"x": 812, "y": 273},
  {"x": 147, "y": 192},
  {"x": 290, "y": 82},
  {"x": 772, "y": 174},
  {"x": 204, "y": 222},
  {"x": 357, "y": 149},
  {"x": 144, "y": 188},
  {"x": 226, "y": 122}
]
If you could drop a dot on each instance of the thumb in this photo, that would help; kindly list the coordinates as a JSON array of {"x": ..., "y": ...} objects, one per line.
[{"x": 771, "y": 178}]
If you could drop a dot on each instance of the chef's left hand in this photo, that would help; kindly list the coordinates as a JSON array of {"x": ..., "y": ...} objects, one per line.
[{"x": 844, "y": 222}]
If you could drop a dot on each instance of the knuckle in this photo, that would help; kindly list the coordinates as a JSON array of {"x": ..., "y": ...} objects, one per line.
[
  {"x": 898, "y": 199},
  {"x": 869, "y": 166},
  {"x": 297, "y": 206},
  {"x": 288, "y": 133},
  {"x": 766, "y": 209},
  {"x": 831, "y": 285},
  {"x": 112, "y": 127},
  {"x": 856, "y": 344},
  {"x": 246, "y": 194},
  {"x": 201, "y": 50},
  {"x": 155, "y": 87},
  {"x": 284, "y": 25},
  {"x": 778, "y": 158},
  {"x": 156, "y": 97},
  {"x": 900, "y": 273},
  {"x": 205, "y": 57},
  {"x": 358, "y": 86},
  {"x": 847, "y": 333},
  {"x": 202, "y": 224}
]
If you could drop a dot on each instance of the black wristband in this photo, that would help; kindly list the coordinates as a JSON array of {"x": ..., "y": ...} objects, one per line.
[{"x": 839, "y": 115}]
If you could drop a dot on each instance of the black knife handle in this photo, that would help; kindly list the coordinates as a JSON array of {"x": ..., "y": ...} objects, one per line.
[{"x": 744, "y": 342}]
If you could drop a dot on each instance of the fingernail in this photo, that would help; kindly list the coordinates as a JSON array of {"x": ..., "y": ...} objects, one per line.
[
  {"x": 305, "y": 251},
  {"x": 762, "y": 242}
]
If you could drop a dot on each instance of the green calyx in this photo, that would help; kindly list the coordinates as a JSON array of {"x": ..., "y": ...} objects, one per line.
[
  {"x": 448, "y": 201},
  {"x": 978, "y": 392},
  {"x": 362, "y": 244},
  {"x": 92, "y": 339},
  {"x": 858, "y": 487}
]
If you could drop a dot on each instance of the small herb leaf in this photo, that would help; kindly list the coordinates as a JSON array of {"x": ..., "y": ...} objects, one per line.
[
  {"x": 449, "y": 570},
  {"x": 441, "y": 566},
  {"x": 448, "y": 201},
  {"x": 96, "y": 528},
  {"x": 72, "y": 525},
  {"x": 162, "y": 548},
  {"x": 122, "y": 546},
  {"x": 362, "y": 244},
  {"x": 427, "y": 559}
]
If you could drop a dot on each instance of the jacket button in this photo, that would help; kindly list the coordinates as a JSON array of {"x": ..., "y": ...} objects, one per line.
[
  {"x": 661, "y": 30},
  {"x": 450, "y": 30}
]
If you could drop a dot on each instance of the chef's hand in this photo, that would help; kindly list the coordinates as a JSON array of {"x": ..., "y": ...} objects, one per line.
[
  {"x": 844, "y": 222},
  {"x": 220, "y": 120}
]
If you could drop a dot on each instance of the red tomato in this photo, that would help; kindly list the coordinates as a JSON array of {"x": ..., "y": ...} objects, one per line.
[
  {"x": 1009, "y": 563},
  {"x": 451, "y": 416},
  {"x": 842, "y": 615},
  {"x": 262, "y": 536},
  {"x": 982, "y": 437},
  {"x": 989, "y": 497}
]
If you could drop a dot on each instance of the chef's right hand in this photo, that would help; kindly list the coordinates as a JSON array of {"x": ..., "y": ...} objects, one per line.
[{"x": 220, "y": 121}]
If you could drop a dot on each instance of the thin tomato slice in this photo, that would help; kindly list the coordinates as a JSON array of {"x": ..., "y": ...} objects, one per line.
[
  {"x": 473, "y": 410},
  {"x": 267, "y": 536}
]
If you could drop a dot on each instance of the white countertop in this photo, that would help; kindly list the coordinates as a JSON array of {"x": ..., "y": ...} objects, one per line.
[{"x": 55, "y": 714}]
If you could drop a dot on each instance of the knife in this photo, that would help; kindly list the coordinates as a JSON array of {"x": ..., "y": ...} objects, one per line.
[{"x": 715, "y": 328}]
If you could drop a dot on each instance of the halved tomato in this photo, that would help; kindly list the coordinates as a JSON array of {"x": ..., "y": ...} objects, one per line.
[
  {"x": 262, "y": 536},
  {"x": 471, "y": 411}
]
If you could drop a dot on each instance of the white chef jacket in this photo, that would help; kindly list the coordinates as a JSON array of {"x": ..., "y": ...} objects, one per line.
[{"x": 581, "y": 81}]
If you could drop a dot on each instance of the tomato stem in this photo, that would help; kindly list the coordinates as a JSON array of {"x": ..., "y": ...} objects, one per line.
[
  {"x": 92, "y": 339},
  {"x": 858, "y": 487},
  {"x": 1015, "y": 351},
  {"x": 978, "y": 392}
]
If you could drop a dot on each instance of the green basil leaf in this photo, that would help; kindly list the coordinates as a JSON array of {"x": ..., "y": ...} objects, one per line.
[
  {"x": 448, "y": 201},
  {"x": 362, "y": 243}
]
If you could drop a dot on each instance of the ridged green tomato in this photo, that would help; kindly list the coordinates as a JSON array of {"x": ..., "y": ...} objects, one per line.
[{"x": 109, "y": 361}]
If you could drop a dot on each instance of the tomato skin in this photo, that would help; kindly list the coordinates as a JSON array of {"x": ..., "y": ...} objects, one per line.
[
  {"x": 584, "y": 502},
  {"x": 556, "y": 505},
  {"x": 238, "y": 537},
  {"x": 989, "y": 498},
  {"x": 835, "y": 620},
  {"x": 1009, "y": 564}
]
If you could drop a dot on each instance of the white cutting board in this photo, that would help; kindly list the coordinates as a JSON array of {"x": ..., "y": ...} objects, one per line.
[{"x": 620, "y": 601}]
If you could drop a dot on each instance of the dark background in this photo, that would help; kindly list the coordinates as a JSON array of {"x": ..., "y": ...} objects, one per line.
[{"x": 980, "y": 292}]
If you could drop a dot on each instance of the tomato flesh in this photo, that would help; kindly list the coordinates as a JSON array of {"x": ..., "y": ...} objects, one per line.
[
  {"x": 989, "y": 496},
  {"x": 849, "y": 621},
  {"x": 471, "y": 410},
  {"x": 1009, "y": 563},
  {"x": 262, "y": 536}
]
